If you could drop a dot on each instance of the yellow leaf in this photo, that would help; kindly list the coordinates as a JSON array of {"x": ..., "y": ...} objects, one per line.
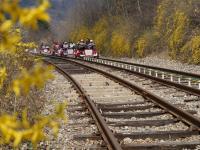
[{"x": 6, "y": 26}]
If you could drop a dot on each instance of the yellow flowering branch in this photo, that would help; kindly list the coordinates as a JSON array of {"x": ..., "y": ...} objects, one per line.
[
  {"x": 15, "y": 131},
  {"x": 37, "y": 77}
]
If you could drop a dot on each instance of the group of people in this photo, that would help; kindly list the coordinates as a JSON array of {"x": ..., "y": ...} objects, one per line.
[
  {"x": 81, "y": 45},
  {"x": 88, "y": 44}
]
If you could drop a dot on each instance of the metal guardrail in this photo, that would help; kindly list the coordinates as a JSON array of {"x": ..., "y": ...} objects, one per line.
[{"x": 155, "y": 68}]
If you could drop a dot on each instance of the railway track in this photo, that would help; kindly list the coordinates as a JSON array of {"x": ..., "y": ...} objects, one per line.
[
  {"x": 185, "y": 96},
  {"x": 189, "y": 82},
  {"x": 127, "y": 116}
]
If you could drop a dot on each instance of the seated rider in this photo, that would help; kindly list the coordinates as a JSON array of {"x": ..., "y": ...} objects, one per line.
[
  {"x": 91, "y": 45},
  {"x": 81, "y": 45},
  {"x": 72, "y": 45},
  {"x": 87, "y": 41},
  {"x": 56, "y": 46},
  {"x": 65, "y": 46},
  {"x": 42, "y": 46}
]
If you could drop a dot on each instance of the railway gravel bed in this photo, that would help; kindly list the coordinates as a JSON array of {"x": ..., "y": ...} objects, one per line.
[{"x": 131, "y": 117}]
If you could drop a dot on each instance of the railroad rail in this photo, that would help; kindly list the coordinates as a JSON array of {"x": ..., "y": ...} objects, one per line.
[
  {"x": 187, "y": 82},
  {"x": 175, "y": 93},
  {"x": 130, "y": 101}
]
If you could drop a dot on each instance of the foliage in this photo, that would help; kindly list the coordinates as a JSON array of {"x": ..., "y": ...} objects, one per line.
[
  {"x": 34, "y": 78},
  {"x": 21, "y": 77},
  {"x": 80, "y": 33},
  {"x": 143, "y": 27},
  {"x": 120, "y": 45},
  {"x": 27, "y": 17},
  {"x": 146, "y": 44},
  {"x": 162, "y": 19},
  {"x": 192, "y": 48},
  {"x": 15, "y": 131},
  {"x": 140, "y": 46},
  {"x": 100, "y": 33},
  {"x": 176, "y": 38}
]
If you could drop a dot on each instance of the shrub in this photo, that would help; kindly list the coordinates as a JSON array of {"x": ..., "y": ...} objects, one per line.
[
  {"x": 81, "y": 33},
  {"x": 100, "y": 33},
  {"x": 120, "y": 45},
  {"x": 21, "y": 78},
  {"x": 146, "y": 44},
  {"x": 180, "y": 23},
  {"x": 192, "y": 48}
]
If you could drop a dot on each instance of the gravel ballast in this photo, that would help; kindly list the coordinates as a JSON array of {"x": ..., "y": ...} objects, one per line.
[{"x": 60, "y": 90}]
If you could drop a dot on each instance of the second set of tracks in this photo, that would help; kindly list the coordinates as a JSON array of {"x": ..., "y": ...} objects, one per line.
[{"x": 126, "y": 115}]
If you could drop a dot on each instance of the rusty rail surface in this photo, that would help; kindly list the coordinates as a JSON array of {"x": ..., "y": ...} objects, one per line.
[
  {"x": 182, "y": 87},
  {"x": 184, "y": 116},
  {"x": 187, "y": 117}
]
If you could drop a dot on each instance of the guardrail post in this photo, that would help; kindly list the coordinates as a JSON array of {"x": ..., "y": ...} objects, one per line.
[
  {"x": 189, "y": 81},
  {"x": 130, "y": 67},
  {"x": 199, "y": 84},
  {"x": 179, "y": 79},
  {"x": 135, "y": 68},
  {"x": 163, "y": 75},
  {"x": 171, "y": 77},
  {"x": 150, "y": 72},
  {"x": 156, "y": 73},
  {"x": 139, "y": 69}
]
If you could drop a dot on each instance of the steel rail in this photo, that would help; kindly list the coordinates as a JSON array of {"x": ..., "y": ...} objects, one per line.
[
  {"x": 182, "y": 87},
  {"x": 179, "y": 113},
  {"x": 106, "y": 133}
]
